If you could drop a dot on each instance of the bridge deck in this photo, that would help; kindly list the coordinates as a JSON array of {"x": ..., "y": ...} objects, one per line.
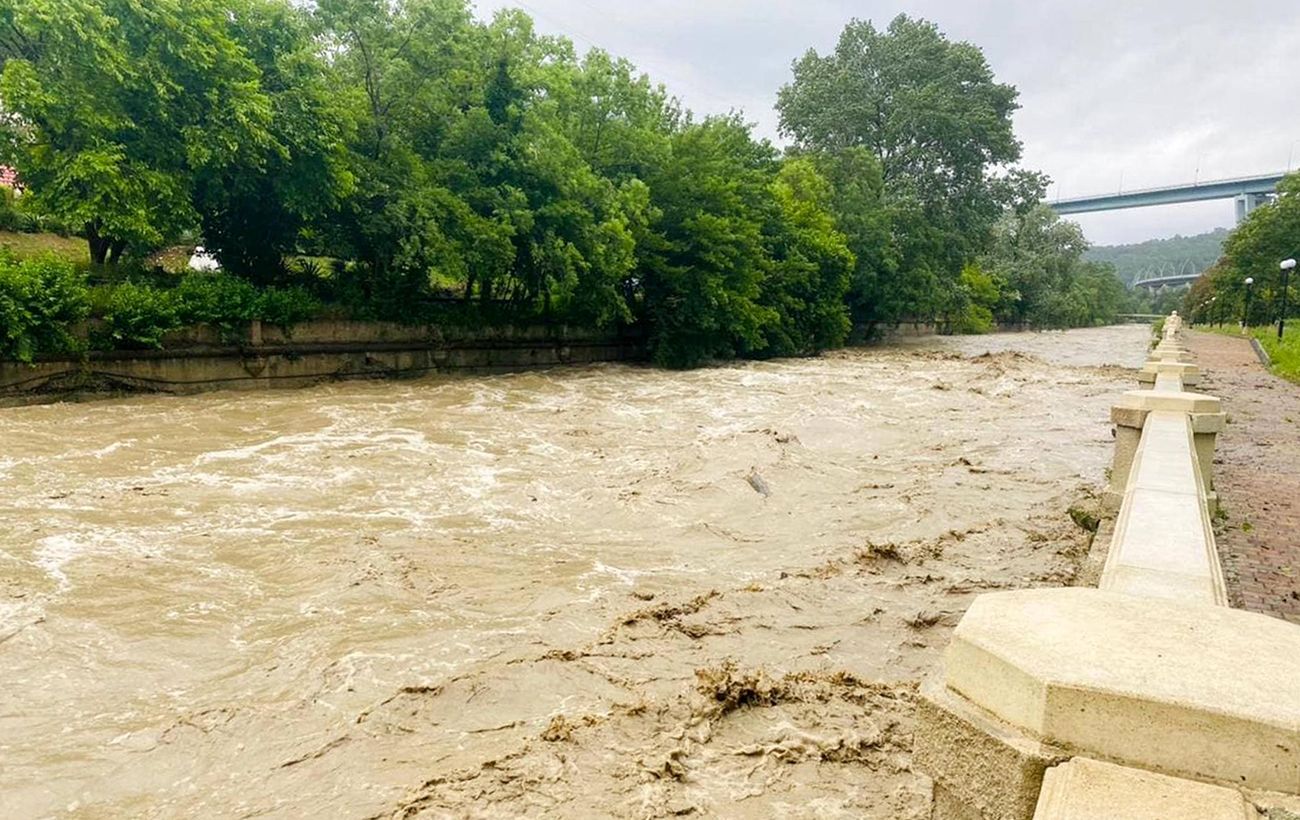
[{"x": 1196, "y": 192}]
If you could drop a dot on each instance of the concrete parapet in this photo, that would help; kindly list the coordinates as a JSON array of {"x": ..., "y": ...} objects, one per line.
[
  {"x": 1086, "y": 789},
  {"x": 1189, "y": 374},
  {"x": 1171, "y": 351},
  {"x": 1129, "y": 416},
  {"x": 1171, "y": 704},
  {"x": 1167, "y": 686},
  {"x": 1163, "y": 543},
  {"x": 982, "y": 768}
]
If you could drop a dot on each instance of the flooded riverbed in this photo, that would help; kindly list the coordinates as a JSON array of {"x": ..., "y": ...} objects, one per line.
[{"x": 607, "y": 591}]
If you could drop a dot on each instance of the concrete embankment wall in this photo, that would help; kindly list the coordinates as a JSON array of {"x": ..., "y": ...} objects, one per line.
[
  {"x": 265, "y": 357},
  {"x": 1145, "y": 697}
]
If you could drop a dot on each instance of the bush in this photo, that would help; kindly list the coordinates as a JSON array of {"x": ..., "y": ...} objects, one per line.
[
  {"x": 216, "y": 299},
  {"x": 138, "y": 316},
  {"x": 10, "y": 218},
  {"x": 40, "y": 300},
  {"x": 974, "y": 320},
  {"x": 287, "y": 306}
]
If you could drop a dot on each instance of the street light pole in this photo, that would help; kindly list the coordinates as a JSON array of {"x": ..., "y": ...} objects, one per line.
[
  {"x": 1250, "y": 291},
  {"x": 1287, "y": 267}
]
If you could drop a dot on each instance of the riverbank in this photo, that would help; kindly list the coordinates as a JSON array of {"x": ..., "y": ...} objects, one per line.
[
  {"x": 260, "y": 356},
  {"x": 266, "y": 357}
]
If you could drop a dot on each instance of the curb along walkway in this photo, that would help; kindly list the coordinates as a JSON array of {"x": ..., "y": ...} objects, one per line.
[{"x": 1258, "y": 478}]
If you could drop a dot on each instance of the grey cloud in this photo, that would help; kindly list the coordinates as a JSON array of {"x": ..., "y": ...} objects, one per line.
[{"x": 1113, "y": 92}]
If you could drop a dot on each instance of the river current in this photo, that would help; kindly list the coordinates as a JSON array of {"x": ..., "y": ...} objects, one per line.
[{"x": 601, "y": 591}]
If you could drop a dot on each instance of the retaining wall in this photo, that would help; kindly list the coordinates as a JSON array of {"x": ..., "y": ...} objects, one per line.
[
  {"x": 1144, "y": 697},
  {"x": 264, "y": 357}
]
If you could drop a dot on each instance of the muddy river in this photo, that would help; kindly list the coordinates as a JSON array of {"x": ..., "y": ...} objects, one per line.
[{"x": 607, "y": 591}]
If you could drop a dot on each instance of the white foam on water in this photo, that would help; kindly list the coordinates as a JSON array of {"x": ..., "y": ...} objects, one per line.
[
  {"x": 54, "y": 553},
  {"x": 110, "y": 449},
  {"x": 15, "y": 615}
]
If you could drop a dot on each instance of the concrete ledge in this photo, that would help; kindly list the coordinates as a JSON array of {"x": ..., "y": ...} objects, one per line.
[
  {"x": 1181, "y": 369},
  {"x": 983, "y": 769},
  {"x": 1163, "y": 544},
  {"x": 1086, "y": 789},
  {"x": 1180, "y": 401},
  {"x": 1205, "y": 693}
]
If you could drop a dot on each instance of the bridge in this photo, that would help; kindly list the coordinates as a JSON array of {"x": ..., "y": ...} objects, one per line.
[
  {"x": 1249, "y": 192},
  {"x": 1168, "y": 276}
]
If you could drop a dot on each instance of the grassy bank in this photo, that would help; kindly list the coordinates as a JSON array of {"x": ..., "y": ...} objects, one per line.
[
  {"x": 1285, "y": 353},
  {"x": 28, "y": 245}
]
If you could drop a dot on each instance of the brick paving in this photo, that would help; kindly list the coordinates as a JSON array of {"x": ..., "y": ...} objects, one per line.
[{"x": 1257, "y": 476}]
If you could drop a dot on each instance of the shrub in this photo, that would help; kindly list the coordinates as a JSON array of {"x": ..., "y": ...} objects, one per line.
[
  {"x": 138, "y": 316},
  {"x": 10, "y": 218},
  {"x": 40, "y": 300},
  {"x": 216, "y": 299},
  {"x": 287, "y": 306},
  {"x": 974, "y": 320}
]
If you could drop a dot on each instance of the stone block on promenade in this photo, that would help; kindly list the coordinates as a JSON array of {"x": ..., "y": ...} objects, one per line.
[
  {"x": 1172, "y": 351},
  {"x": 1191, "y": 691},
  {"x": 1129, "y": 416},
  {"x": 1086, "y": 789},
  {"x": 1189, "y": 373}
]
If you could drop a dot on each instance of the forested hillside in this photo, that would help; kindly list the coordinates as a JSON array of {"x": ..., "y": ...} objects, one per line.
[{"x": 1190, "y": 254}]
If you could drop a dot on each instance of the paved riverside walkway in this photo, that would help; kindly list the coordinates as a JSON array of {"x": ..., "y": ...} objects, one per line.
[{"x": 1257, "y": 477}]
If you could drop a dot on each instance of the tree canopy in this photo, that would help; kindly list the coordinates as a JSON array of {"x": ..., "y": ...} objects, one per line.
[
  {"x": 1253, "y": 251},
  {"x": 389, "y": 155}
]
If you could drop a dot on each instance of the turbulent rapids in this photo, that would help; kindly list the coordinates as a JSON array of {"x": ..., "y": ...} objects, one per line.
[{"x": 608, "y": 591}]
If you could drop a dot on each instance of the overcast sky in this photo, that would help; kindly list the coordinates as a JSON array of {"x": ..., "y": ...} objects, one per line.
[{"x": 1114, "y": 93}]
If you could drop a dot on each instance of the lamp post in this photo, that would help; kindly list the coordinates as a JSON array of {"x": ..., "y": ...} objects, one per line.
[
  {"x": 1250, "y": 291},
  {"x": 1287, "y": 267}
]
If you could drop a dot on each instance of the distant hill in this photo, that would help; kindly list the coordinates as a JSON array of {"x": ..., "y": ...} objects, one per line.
[{"x": 1190, "y": 254}]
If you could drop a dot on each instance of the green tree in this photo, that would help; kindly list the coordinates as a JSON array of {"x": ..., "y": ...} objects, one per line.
[
  {"x": 812, "y": 264},
  {"x": 116, "y": 105},
  {"x": 252, "y": 213},
  {"x": 703, "y": 273},
  {"x": 938, "y": 123},
  {"x": 877, "y": 292},
  {"x": 1047, "y": 283},
  {"x": 1255, "y": 250}
]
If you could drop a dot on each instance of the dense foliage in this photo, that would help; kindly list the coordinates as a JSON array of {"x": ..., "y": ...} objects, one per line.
[
  {"x": 1253, "y": 251},
  {"x": 40, "y": 302},
  {"x": 415, "y": 155}
]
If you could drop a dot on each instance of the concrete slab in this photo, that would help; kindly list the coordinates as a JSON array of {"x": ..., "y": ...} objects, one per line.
[
  {"x": 1170, "y": 400},
  {"x": 1085, "y": 789},
  {"x": 1163, "y": 542},
  {"x": 1199, "y": 692}
]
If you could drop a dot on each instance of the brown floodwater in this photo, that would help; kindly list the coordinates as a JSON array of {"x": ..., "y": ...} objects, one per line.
[{"x": 602, "y": 591}]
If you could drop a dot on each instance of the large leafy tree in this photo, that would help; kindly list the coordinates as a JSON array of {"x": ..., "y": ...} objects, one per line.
[
  {"x": 397, "y": 70},
  {"x": 811, "y": 268},
  {"x": 252, "y": 213},
  {"x": 115, "y": 106},
  {"x": 929, "y": 109},
  {"x": 703, "y": 270},
  {"x": 1036, "y": 259},
  {"x": 939, "y": 126}
]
